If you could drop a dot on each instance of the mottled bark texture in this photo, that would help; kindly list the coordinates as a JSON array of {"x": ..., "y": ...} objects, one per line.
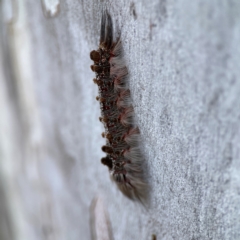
[{"x": 184, "y": 76}]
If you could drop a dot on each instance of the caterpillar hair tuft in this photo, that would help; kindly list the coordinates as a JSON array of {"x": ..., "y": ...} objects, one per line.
[{"x": 124, "y": 158}]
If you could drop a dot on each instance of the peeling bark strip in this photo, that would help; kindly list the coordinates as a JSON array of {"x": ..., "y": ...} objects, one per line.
[{"x": 124, "y": 158}]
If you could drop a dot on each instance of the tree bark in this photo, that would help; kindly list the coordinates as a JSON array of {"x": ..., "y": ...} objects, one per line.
[{"x": 183, "y": 62}]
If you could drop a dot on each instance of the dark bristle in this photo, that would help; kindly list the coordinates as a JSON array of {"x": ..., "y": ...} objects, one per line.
[
  {"x": 106, "y": 36},
  {"x": 154, "y": 237},
  {"x": 107, "y": 149},
  {"x": 95, "y": 56},
  {"x": 103, "y": 28},
  {"x": 96, "y": 68},
  {"x": 109, "y": 33},
  {"x": 109, "y": 136},
  {"x": 107, "y": 161}
]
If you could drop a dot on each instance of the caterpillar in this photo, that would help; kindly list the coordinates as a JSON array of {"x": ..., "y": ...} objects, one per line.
[{"x": 123, "y": 155}]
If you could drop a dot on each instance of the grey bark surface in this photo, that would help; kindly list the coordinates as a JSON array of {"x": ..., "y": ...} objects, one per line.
[{"x": 184, "y": 65}]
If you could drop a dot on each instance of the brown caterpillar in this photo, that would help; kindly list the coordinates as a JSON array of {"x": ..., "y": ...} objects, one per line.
[{"x": 124, "y": 158}]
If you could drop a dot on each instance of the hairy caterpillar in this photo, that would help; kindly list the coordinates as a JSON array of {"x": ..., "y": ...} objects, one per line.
[{"x": 124, "y": 158}]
